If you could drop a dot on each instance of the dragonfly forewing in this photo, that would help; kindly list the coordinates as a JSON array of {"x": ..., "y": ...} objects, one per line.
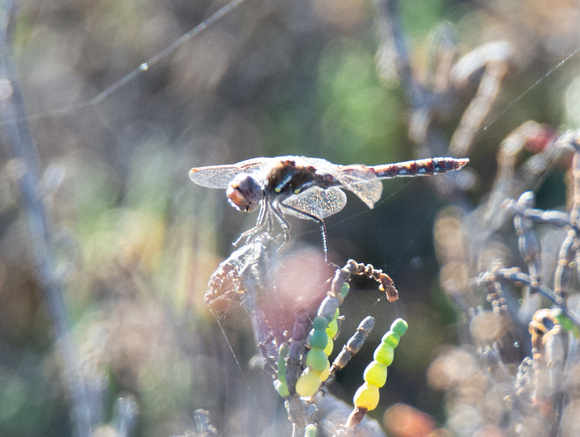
[{"x": 219, "y": 176}]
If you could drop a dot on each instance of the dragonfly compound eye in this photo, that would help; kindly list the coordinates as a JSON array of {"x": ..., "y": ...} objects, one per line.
[{"x": 244, "y": 193}]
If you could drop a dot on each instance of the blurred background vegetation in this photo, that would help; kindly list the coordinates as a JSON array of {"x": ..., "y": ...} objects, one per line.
[{"x": 137, "y": 241}]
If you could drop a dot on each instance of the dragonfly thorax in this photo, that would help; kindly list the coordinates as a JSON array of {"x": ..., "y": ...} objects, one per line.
[{"x": 244, "y": 193}]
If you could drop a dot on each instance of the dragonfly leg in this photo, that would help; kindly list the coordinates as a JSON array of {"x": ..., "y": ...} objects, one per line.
[
  {"x": 313, "y": 217},
  {"x": 284, "y": 223},
  {"x": 247, "y": 235},
  {"x": 264, "y": 219}
]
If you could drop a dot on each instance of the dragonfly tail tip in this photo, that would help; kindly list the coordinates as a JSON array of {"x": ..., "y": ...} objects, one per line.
[{"x": 461, "y": 162}]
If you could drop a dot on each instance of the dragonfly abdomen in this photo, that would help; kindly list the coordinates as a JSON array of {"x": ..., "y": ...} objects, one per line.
[{"x": 420, "y": 167}]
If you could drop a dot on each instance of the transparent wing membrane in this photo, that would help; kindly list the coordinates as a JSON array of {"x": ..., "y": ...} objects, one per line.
[{"x": 319, "y": 202}]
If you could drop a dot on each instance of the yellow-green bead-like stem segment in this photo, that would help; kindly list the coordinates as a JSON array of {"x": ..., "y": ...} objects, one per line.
[
  {"x": 318, "y": 338},
  {"x": 326, "y": 372},
  {"x": 282, "y": 354},
  {"x": 332, "y": 329},
  {"x": 367, "y": 396},
  {"x": 308, "y": 383},
  {"x": 399, "y": 326},
  {"x": 281, "y": 388},
  {"x": 329, "y": 347},
  {"x": 319, "y": 323},
  {"x": 384, "y": 354},
  {"x": 316, "y": 360},
  {"x": 376, "y": 373},
  {"x": 344, "y": 290},
  {"x": 391, "y": 338},
  {"x": 310, "y": 430}
]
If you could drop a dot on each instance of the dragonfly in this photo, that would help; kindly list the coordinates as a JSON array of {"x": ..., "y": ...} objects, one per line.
[{"x": 307, "y": 188}]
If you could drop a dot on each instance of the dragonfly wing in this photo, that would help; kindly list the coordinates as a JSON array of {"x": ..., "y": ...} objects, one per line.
[
  {"x": 219, "y": 176},
  {"x": 316, "y": 201},
  {"x": 362, "y": 181}
]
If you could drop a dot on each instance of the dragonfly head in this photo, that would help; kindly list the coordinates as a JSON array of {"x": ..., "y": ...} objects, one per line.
[{"x": 244, "y": 193}]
